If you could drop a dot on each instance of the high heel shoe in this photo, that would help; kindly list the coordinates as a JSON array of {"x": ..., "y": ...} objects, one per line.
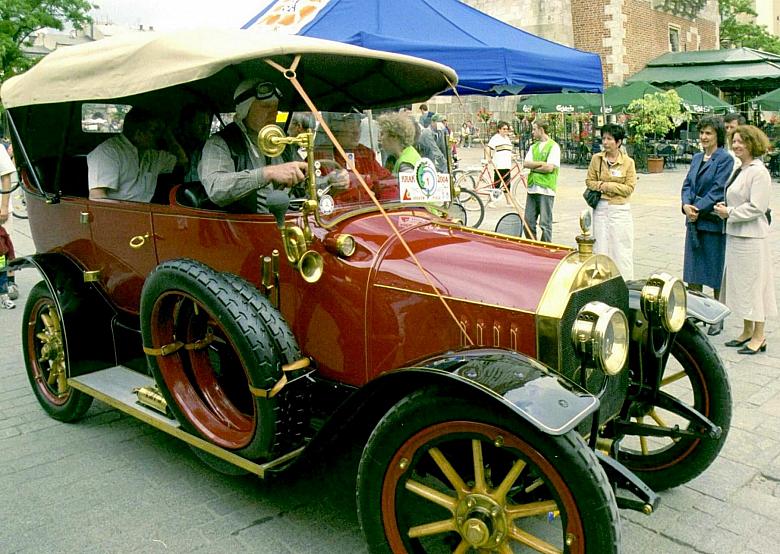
[
  {"x": 749, "y": 351},
  {"x": 734, "y": 343}
]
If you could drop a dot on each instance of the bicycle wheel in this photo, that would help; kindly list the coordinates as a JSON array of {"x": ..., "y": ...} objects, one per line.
[
  {"x": 471, "y": 202},
  {"x": 19, "y": 204},
  {"x": 464, "y": 180}
]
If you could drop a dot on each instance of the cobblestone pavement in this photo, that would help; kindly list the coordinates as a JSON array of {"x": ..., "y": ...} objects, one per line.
[{"x": 112, "y": 484}]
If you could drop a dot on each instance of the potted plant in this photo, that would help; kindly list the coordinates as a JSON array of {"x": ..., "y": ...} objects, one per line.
[{"x": 652, "y": 115}]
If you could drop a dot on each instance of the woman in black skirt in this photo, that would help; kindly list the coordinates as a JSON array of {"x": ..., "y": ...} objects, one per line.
[{"x": 704, "y": 186}]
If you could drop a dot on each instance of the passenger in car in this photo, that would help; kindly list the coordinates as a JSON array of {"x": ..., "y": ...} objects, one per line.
[
  {"x": 232, "y": 169},
  {"x": 194, "y": 129},
  {"x": 126, "y": 166}
]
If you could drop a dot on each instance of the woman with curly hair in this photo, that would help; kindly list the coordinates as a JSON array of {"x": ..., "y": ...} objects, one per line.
[
  {"x": 748, "y": 281},
  {"x": 396, "y": 137}
]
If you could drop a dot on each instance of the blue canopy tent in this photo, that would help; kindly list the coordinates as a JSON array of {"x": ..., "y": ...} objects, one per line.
[{"x": 490, "y": 57}]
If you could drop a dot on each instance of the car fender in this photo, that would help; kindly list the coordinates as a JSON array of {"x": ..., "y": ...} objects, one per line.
[
  {"x": 700, "y": 307},
  {"x": 87, "y": 317},
  {"x": 515, "y": 382}
]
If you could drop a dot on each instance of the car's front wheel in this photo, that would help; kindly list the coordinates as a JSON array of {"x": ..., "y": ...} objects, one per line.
[{"x": 443, "y": 474}]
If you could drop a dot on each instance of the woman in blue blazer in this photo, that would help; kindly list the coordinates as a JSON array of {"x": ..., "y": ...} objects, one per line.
[{"x": 704, "y": 186}]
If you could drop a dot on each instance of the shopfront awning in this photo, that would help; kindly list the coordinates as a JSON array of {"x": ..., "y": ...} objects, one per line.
[{"x": 711, "y": 66}]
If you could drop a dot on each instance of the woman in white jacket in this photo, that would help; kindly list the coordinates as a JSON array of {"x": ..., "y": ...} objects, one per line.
[{"x": 748, "y": 279}]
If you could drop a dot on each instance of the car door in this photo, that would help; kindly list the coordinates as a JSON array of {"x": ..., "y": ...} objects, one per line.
[{"x": 124, "y": 249}]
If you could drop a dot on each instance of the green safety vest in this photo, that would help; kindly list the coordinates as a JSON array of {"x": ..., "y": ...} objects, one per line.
[
  {"x": 546, "y": 180},
  {"x": 409, "y": 155}
]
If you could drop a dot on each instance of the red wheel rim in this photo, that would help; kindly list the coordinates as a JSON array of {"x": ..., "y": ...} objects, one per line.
[{"x": 216, "y": 401}]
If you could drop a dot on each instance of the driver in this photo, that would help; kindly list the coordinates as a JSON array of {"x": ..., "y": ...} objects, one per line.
[{"x": 232, "y": 169}]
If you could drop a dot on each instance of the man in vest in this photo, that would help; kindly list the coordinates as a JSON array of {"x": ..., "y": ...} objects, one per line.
[
  {"x": 233, "y": 170},
  {"x": 544, "y": 161}
]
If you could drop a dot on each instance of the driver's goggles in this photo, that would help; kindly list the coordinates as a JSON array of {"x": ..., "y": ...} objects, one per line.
[{"x": 262, "y": 91}]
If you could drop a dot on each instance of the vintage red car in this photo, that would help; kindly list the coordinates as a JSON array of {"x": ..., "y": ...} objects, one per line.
[{"x": 509, "y": 393}]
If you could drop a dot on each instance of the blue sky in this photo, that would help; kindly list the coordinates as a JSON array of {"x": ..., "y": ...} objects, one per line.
[{"x": 166, "y": 15}]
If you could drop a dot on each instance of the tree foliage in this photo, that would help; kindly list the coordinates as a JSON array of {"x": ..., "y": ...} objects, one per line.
[
  {"x": 655, "y": 114},
  {"x": 736, "y": 31},
  {"x": 19, "y": 19}
]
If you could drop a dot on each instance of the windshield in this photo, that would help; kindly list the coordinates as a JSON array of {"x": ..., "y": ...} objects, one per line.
[{"x": 381, "y": 150}]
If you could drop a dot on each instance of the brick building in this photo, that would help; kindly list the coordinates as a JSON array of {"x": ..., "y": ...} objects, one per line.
[{"x": 625, "y": 33}]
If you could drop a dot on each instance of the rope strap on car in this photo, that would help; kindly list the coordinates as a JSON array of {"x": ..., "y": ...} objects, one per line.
[
  {"x": 173, "y": 347},
  {"x": 280, "y": 384}
]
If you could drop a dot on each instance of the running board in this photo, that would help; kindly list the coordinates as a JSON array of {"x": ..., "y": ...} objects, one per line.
[{"x": 115, "y": 385}]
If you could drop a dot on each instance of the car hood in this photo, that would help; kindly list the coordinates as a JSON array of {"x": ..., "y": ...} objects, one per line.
[{"x": 463, "y": 263}]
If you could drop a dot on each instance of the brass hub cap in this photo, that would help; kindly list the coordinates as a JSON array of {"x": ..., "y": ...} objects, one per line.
[{"x": 481, "y": 520}]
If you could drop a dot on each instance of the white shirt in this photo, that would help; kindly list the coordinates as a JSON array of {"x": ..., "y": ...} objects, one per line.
[
  {"x": 6, "y": 165},
  {"x": 553, "y": 158},
  {"x": 501, "y": 149},
  {"x": 114, "y": 165}
]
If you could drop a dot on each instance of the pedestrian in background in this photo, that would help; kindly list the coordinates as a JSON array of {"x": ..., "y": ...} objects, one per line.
[
  {"x": 613, "y": 173},
  {"x": 732, "y": 121},
  {"x": 703, "y": 187},
  {"x": 6, "y": 247},
  {"x": 544, "y": 161},
  {"x": 499, "y": 151},
  {"x": 748, "y": 280}
]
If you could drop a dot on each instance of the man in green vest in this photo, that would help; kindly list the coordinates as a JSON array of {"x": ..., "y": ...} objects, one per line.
[{"x": 544, "y": 161}]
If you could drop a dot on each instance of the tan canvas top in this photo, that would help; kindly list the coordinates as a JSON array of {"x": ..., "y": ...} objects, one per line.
[{"x": 137, "y": 63}]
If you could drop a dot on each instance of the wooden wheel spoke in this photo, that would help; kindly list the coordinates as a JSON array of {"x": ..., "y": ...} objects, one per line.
[
  {"x": 533, "y": 542},
  {"x": 43, "y": 337},
  {"x": 657, "y": 418},
  {"x": 432, "y": 494},
  {"x": 52, "y": 375},
  {"x": 479, "y": 467},
  {"x": 672, "y": 378},
  {"x": 642, "y": 439},
  {"x": 446, "y": 468},
  {"x": 531, "y": 509},
  {"x": 500, "y": 493},
  {"x": 434, "y": 528}
]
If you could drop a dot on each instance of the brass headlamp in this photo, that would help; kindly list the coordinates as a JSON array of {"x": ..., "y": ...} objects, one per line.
[
  {"x": 600, "y": 336},
  {"x": 664, "y": 301}
]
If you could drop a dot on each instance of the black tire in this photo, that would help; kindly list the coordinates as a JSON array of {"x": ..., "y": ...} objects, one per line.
[
  {"x": 208, "y": 389},
  {"x": 694, "y": 373},
  {"x": 45, "y": 357},
  {"x": 471, "y": 202},
  {"x": 562, "y": 478}
]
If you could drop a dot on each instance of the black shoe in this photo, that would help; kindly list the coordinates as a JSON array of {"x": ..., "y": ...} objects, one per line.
[
  {"x": 749, "y": 351},
  {"x": 734, "y": 343},
  {"x": 715, "y": 329}
]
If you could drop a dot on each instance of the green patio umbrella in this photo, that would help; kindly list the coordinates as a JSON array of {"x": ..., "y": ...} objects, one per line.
[
  {"x": 769, "y": 101},
  {"x": 617, "y": 99},
  {"x": 564, "y": 102},
  {"x": 697, "y": 100}
]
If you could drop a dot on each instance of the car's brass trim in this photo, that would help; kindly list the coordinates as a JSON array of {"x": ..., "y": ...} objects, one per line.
[
  {"x": 455, "y": 298},
  {"x": 92, "y": 276},
  {"x": 197, "y": 442},
  {"x": 572, "y": 274}
]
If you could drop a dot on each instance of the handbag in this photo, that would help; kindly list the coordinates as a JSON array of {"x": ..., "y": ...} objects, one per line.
[{"x": 592, "y": 197}]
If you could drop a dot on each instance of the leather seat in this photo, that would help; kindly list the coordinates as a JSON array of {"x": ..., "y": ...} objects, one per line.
[{"x": 193, "y": 195}]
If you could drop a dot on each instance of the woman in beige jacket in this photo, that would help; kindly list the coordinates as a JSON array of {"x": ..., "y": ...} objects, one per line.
[
  {"x": 613, "y": 173},
  {"x": 748, "y": 281}
]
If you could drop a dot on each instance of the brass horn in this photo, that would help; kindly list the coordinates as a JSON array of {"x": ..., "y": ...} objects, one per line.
[{"x": 309, "y": 263}]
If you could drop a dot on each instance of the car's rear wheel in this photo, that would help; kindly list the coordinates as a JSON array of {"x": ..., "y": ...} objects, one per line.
[
  {"x": 441, "y": 474},
  {"x": 219, "y": 382},
  {"x": 43, "y": 339}
]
